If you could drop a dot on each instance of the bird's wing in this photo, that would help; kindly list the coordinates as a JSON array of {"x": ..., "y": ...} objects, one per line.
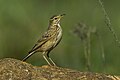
[{"x": 45, "y": 37}]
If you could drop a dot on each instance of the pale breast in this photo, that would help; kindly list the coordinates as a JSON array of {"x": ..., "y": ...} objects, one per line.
[
  {"x": 59, "y": 31},
  {"x": 59, "y": 35}
]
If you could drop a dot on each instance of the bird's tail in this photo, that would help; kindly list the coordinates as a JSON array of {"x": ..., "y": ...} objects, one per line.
[{"x": 26, "y": 57}]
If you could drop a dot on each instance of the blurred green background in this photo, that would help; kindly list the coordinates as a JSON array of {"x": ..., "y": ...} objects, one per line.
[{"x": 22, "y": 22}]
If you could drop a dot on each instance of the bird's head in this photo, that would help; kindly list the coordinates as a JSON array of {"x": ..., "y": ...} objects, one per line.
[{"x": 54, "y": 20}]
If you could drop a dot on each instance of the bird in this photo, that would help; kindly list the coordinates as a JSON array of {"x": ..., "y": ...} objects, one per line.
[{"x": 49, "y": 40}]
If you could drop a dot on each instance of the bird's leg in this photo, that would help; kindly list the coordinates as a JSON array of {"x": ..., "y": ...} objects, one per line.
[
  {"x": 46, "y": 59},
  {"x": 50, "y": 59}
]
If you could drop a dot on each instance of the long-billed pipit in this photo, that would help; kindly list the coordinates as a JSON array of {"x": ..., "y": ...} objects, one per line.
[{"x": 49, "y": 39}]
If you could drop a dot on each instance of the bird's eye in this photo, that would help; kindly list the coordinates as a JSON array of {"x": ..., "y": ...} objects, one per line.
[{"x": 55, "y": 18}]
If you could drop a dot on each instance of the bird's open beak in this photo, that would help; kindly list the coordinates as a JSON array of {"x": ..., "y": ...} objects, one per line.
[{"x": 62, "y": 15}]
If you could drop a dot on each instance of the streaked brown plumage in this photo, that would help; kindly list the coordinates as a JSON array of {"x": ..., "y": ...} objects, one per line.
[{"x": 49, "y": 40}]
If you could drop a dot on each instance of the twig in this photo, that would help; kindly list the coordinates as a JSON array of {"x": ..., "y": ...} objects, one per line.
[
  {"x": 108, "y": 23},
  {"x": 83, "y": 32},
  {"x": 102, "y": 50}
]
